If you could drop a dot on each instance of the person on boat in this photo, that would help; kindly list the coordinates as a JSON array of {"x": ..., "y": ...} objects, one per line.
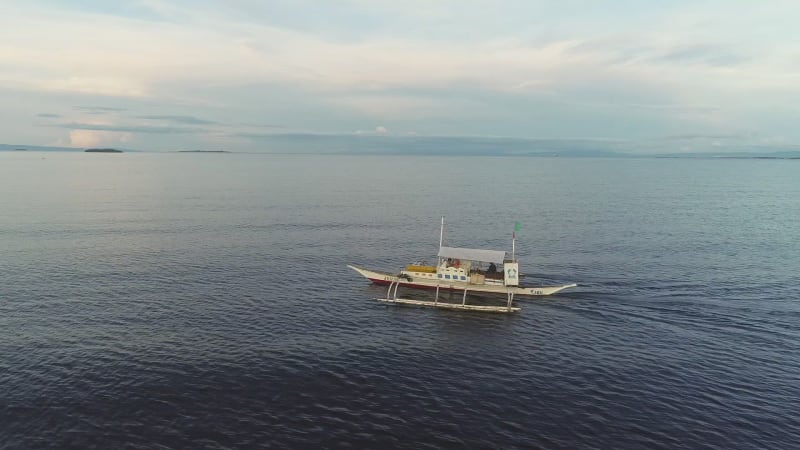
[{"x": 492, "y": 268}]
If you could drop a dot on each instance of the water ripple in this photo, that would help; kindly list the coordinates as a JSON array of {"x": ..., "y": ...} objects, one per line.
[{"x": 217, "y": 311}]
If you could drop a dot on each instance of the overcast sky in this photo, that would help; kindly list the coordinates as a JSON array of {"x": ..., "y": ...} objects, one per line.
[{"x": 166, "y": 75}]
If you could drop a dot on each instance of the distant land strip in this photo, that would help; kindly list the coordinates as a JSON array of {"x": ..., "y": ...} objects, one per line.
[{"x": 203, "y": 151}]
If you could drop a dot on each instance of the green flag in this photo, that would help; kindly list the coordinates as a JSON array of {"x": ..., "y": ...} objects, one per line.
[{"x": 517, "y": 226}]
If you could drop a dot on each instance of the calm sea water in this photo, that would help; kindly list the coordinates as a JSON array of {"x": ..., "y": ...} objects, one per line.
[{"x": 203, "y": 301}]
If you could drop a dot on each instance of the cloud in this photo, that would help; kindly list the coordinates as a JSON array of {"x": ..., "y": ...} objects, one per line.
[
  {"x": 95, "y": 138},
  {"x": 179, "y": 119},
  {"x": 380, "y": 130},
  {"x": 128, "y": 128},
  {"x": 49, "y": 115},
  {"x": 261, "y": 125},
  {"x": 393, "y": 106},
  {"x": 705, "y": 53},
  {"x": 614, "y": 70},
  {"x": 688, "y": 137},
  {"x": 220, "y": 45},
  {"x": 98, "y": 110}
]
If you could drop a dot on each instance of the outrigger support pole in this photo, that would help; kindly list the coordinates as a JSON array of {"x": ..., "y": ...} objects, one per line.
[
  {"x": 464, "y": 299},
  {"x": 395, "y": 285},
  {"x": 510, "y": 296},
  {"x": 436, "y": 300}
]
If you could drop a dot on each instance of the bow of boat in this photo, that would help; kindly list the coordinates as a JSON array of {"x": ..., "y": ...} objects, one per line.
[{"x": 369, "y": 274}]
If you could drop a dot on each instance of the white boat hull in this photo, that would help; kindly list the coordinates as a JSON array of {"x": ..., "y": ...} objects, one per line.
[{"x": 384, "y": 278}]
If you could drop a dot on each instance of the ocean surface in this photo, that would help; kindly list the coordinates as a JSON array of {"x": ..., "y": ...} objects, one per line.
[{"x": 161, "y": 301}]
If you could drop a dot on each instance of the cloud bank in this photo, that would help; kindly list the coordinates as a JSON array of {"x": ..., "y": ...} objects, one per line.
[{"x": 167, "y": 73}]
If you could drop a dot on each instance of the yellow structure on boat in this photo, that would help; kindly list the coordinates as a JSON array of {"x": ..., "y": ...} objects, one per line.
[{"x": 421, "y": 269}]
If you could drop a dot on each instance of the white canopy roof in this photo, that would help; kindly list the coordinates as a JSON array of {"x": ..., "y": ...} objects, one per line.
[{"x": 473, "y": 254}]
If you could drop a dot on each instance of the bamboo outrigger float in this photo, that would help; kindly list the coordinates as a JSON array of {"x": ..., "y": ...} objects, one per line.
[{"x": 461, "y": 269}]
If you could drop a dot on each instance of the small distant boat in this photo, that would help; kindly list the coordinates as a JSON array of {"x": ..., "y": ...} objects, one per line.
[{"x": 461, "y": 269}]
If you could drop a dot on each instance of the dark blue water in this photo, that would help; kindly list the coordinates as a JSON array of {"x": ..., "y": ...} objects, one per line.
[{"x": 203, "y": 301}]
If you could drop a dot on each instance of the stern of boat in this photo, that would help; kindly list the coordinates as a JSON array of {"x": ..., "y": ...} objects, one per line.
[{"x": 546, "y": 290}]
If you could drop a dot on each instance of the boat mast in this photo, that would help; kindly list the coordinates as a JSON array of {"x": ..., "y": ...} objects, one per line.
[{"x": 441, "y": 234}]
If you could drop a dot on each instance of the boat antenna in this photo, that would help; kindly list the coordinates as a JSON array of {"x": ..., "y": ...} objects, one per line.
[
  {"x": 441, "y": 234},
  {"x": 517, "y": 227},
  {"x": 513, "y": 246}
]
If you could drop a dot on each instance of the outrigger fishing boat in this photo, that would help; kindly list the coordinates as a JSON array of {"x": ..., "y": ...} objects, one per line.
[{"x": 461, "y": 269}]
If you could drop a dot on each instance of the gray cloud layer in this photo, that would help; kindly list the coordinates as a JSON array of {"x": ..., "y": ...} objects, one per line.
[
  {"x": 127, "y": 128},
  {"x": 206, "y": 74},
  {"x": 189, "y": 120}
]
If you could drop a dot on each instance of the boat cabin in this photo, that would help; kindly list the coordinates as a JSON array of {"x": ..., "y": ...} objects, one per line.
[{"x": 458, "y": 265}]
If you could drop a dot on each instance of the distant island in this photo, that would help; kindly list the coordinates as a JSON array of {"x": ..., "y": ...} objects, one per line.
[
  {"x": 461, "y": 146},
  {"x": 102, "y": 150},
  {"x": 203, "y": 151}
]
